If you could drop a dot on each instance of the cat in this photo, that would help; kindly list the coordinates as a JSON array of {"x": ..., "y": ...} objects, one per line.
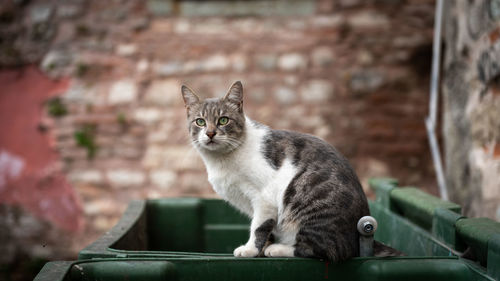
[{"x": 303, "y": 197}]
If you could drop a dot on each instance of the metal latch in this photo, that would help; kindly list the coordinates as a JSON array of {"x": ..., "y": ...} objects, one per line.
[{"x": 367, "y": 226}]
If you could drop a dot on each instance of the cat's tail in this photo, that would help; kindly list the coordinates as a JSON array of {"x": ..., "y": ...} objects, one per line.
[{"x": 382, "y": 250}]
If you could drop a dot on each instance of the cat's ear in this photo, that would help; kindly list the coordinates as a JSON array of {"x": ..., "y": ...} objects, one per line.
[
  {"x": 235, "y": 95},
  {"x": 189, "y": 96}
]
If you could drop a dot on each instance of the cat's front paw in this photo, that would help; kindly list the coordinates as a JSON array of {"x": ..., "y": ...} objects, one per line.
[
  {"x": 245, "y": 251},
  {"x": 279, "y": 250}
]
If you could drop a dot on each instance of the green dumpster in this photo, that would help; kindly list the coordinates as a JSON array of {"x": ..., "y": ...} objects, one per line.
[
  {"x": 227, "y": 268},
  {"x": 192, "y": 238}
]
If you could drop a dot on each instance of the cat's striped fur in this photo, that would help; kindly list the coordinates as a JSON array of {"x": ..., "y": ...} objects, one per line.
[{"x": 301, "y": 193}]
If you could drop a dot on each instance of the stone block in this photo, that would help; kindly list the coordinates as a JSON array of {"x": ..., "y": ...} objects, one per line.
[
  {"x": 292, "y": 62},
  {"x": 153, "y": 157},
  {"x": 95, "y": 94},
  {"x": 266, "y": 61},
  {"x": 238, "y": 62},
  {"x": 285, "y": 95},
  {"x": 317, "y": 91},
  {"x": 182, "y": 26},
  {"x": 126, "y": 49},
  {"x": 258, "y": 95},
  {"x": 147, "y": 115},
  {"x": 194, "y": 183},
  {"x": 160, "y": 7},
  {"x": 142, "y": 66},
  {"x": 86, "y": 176},
  {"x": 291, "y": 80},
  {"x": 162, "y": 178},
  {"x": 212, "y": 26},
  {"x": 247, "y": 8},
  {"x": 182, "y": 158},
  {"x": 100, "y": 207},
  {"x": 76, "y": 92},
  {"x": 365, "y": 81},
  {"x": 366, "y": 58},
  {"x": 327, "y": 21},
  {"x": 168, "y": 68},
  {"x": 69, "y": 10},
  {"x": 216, "y": 62},
  {"x": 126, "y": 177},
  {"x": 368, "y": 19},
  {"x": 178, "y": 158},
  {"x": 56, "y": 63},
  {"x": 127, "y": 152},
  {"x": 163, "y": 132},
  {"x": 164, "y": 92},
  {"x": 139, "y": 24},
  {"x": 322, "y": 56},
  {"x": 122, "y": 92},
  {"x": 41, "y": 13},
  {"x": 104, "y": 223}
]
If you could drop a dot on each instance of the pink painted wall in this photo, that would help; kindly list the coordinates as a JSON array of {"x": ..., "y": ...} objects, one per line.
[{"x": 30, "y": 174}]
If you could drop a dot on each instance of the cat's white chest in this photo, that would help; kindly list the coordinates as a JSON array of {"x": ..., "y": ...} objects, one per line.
[{"x": 240, "y": 177}]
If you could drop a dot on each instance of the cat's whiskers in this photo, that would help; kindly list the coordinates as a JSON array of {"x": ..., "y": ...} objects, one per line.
[{"x": 232, "y": 142}]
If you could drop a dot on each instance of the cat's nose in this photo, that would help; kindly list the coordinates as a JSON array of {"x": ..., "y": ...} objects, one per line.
[{"x": 210, "y": 134}]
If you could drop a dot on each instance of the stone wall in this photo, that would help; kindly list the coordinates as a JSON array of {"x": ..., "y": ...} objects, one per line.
[
  {"x": 355, "y": 73},
  {"x": 472, "y": 106}
]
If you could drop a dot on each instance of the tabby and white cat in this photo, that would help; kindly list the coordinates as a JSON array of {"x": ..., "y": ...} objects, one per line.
[{"x": 302, "y": 195}]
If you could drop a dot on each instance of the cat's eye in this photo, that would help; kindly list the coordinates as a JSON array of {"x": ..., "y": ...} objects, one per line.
[
  {"x": 223, "y": 121},
  {"x": 200, "y": 122}
]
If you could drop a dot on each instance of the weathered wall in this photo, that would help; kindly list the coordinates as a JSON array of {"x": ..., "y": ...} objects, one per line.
[
  {"x": 352, "y": 72},
  {"x": 472, "y": 105}
]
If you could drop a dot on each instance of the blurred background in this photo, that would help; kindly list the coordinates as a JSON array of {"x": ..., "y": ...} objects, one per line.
[{"x": 91, "y": 115}]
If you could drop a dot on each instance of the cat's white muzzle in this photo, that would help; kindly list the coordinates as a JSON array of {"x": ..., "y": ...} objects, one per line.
[{"x": 211, "y": 144}]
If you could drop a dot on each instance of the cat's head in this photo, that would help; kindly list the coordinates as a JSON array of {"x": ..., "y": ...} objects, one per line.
[{"x": 218, "y": 124}]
